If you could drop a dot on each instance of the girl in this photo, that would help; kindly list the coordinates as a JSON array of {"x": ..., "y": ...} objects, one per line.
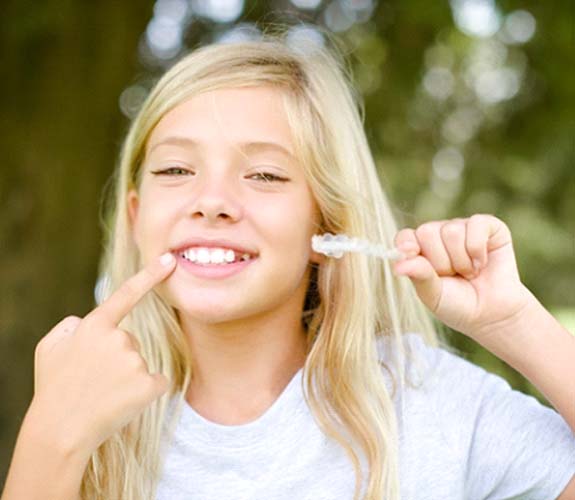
[{"x": 229, "y": 360}]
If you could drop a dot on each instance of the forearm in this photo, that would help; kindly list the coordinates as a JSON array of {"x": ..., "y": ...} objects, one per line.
[
  {"x": 543, "y": 351},
  {"x": 41, "y": 468}
]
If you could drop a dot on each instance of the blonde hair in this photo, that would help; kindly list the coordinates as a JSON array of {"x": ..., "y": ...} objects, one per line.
[{"x": 351, "y": 302}]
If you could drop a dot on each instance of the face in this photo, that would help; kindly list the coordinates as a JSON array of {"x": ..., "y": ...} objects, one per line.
[{"x": 220, "y": 182}]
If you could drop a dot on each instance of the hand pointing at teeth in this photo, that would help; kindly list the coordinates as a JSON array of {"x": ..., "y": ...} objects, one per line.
[
  {"x": 90, "y": 379},
  {"x": 464, "y": 271}
]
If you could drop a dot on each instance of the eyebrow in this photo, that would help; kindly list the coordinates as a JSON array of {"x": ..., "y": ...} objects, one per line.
[{"x": 250, "y": 146}]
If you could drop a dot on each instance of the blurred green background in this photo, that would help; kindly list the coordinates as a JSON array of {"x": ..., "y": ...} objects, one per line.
[{"x": 469, "y": 108}]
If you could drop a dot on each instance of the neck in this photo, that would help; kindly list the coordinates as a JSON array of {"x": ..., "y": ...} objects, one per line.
[{"x": 241, "y": 367}]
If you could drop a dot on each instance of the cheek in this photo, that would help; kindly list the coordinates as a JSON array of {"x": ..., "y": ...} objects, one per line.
[
  {"x": 151, "y": 225},
  {"x": 290, "y": 224}
]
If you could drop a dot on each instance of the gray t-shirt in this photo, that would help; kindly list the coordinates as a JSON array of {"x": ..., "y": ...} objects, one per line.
[{"x": 464, "y": 435}]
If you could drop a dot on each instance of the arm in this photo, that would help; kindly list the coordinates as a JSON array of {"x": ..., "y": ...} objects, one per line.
[
  {"x": 569, "y": 492},
  {"x": 78, "y": 401},
  {"x": 537, "y": 346},
  {"x": 464, "y": 270},
  {"x": 42, "y": 468}
]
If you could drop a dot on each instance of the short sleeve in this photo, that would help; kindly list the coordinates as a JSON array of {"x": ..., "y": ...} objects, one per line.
[
  {"x": 519, "y": 447},
  {"x": 510, "y": 445}
]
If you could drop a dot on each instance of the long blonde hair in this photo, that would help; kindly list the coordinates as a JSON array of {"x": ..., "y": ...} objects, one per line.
[{"x": 351, "y": 302}]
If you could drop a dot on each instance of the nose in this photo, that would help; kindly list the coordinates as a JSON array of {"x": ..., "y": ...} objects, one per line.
[{"x": 215, "y": 200}]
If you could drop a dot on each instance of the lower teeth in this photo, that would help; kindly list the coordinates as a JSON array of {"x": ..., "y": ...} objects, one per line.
[{"x": 211, "y": 263}]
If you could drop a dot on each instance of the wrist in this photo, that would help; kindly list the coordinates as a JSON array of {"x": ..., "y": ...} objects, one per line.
[
  {"x": 42, "y": 466},
  {"x": 542, "y": 350},
  {"x": 519, "y": 337},
  {"x": 514, "y": 326},
  {"x": 50, "y": 431}
]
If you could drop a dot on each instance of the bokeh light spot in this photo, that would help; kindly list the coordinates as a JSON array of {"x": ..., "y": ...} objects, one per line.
[
  {"x": 478, "y": 18},
  {"x": 220, "y": 11},
  {"x": 519, "y": 27}
]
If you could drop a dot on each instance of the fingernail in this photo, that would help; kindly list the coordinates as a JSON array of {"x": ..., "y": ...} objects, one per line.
[
  {"x": 166, "y": 259},
  {"x": 476, "y": 264}
]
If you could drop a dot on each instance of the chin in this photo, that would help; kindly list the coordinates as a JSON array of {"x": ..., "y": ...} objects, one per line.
[{"x": 209, "y": 311}]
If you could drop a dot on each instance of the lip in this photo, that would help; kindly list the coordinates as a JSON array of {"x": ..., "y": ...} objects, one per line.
[
  {"x": 209, "y": 243},
  {"x": 213, "y": 271}
]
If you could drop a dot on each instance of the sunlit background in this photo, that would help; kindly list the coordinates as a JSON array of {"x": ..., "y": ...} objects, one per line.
[{"x": 469, "y": 107}]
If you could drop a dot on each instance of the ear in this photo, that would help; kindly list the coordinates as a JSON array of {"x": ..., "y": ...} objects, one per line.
[
  {"x": 133, "y": 204},
  {"x": 317, "y": 225},
  {"x": 316, "y": 258}
]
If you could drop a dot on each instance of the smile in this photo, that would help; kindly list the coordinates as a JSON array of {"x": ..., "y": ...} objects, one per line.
[
  {"x": 217, "y": 256},
  {"x": 209, "y": 263}
]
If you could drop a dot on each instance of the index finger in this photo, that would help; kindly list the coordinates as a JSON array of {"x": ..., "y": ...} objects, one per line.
[
  {"x": 121, "y": 302},
  {"x": 406, "y": 241}
]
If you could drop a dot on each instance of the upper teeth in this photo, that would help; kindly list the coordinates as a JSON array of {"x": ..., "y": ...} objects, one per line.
[{"x": 213, "y": 255}]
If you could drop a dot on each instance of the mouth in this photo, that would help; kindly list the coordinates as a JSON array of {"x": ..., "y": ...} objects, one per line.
[
  {"x": 214, "y": 256},
  {"x": 214, "y": 263}
]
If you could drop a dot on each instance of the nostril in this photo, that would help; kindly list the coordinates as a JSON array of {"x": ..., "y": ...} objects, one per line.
[{"x": 206, "y": 213}]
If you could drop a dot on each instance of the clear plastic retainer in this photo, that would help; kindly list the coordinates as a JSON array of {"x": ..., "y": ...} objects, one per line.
[{"x": 335, "y": 245}]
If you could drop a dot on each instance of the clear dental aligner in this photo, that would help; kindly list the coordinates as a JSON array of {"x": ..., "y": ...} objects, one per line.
[{"x": 335, "y": 245}]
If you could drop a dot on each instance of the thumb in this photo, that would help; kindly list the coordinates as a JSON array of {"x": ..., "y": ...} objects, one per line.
[
  {"x": 162, "y": 384},
  {"x": 423, "y": 276}
]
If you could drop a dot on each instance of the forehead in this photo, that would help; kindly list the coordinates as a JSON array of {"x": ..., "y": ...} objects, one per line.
[{"x": 233, "y": 115}]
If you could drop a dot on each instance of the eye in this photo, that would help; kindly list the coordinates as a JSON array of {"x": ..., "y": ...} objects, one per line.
[
  {"x": 268, "y": 177},
  {"x": 173, "y": 171}
]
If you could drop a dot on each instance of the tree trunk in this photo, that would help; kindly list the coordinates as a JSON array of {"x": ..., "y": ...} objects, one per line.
[{"x": 64, "y": 65}]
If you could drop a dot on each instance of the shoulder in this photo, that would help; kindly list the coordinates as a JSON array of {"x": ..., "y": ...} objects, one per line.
[
  {"x": 436, "y": 366},
  {"x": 458, "y": 395},
  {"x": 455, "y": 386},
  {"x": 484, "y": 423}
]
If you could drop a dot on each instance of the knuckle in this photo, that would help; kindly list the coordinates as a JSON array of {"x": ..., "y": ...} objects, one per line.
[
  {"x": 162, "y": 381},
  {"x": 135, "y": 343},
  {"x": 135, "y": 361},
  {"x": 426, "y": 230},
  {"x": 476, "y": 218},
  {"x": 404, "y": 235},
  {"x": 501, "y": 223},
  {"x": 158, "y": 384},
  {"x": 122, "y": 339},
  {"x": 452, "y": 229},
  {"x": 147, "y": 387},
  {"x": 66, "y": 324},
  {"x": 71, "y": 323},
  {"x": 72, "y": 319},
  {"x": 481, "y": 217},
  {"x": 474, "y": 248},
  {"x": 466, "y": 271},
  {"x": 152, "y": 383},
  {"x": 445, "y": 268},
  {"x": 92, "y": 320}
]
